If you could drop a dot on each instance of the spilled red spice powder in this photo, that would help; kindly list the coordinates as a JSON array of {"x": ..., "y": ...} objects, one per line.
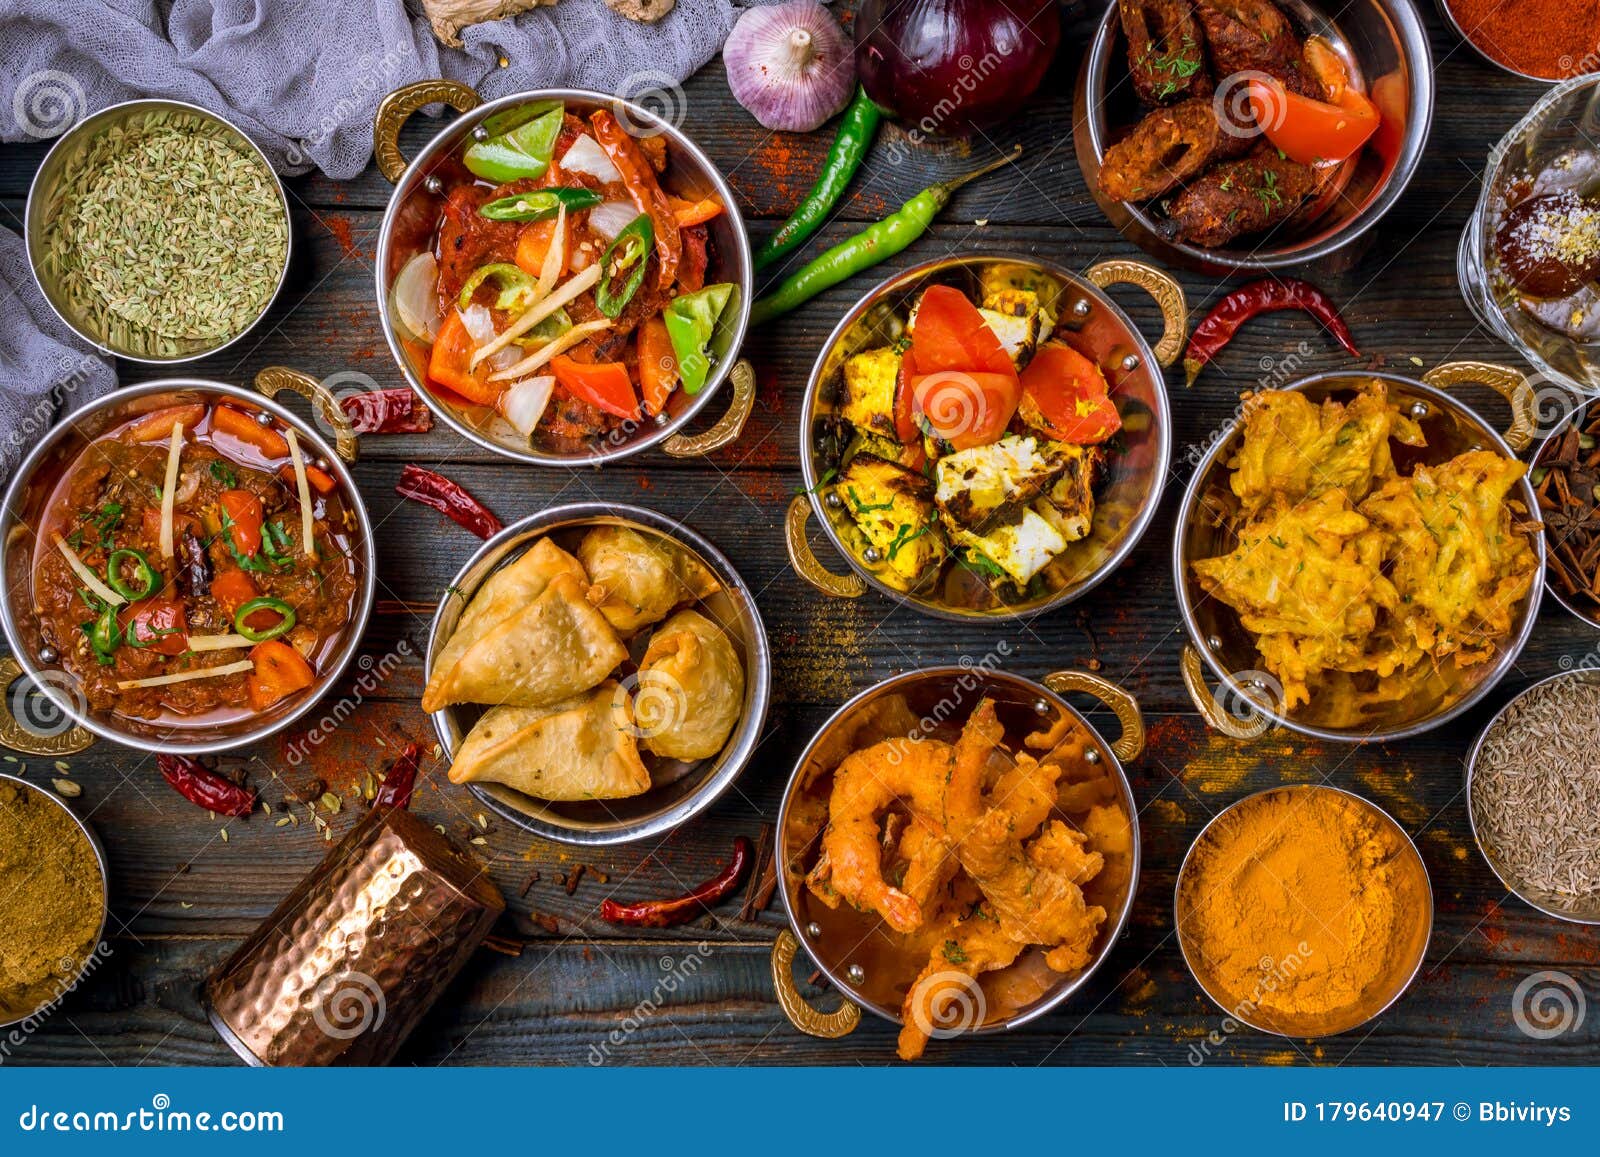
[
  {"x": 339, "y": 226},
  {"x": 1554, "y": 39}
]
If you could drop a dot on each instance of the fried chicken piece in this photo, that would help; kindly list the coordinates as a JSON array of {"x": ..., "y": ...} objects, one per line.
[
  {"x": 1255, "y": 36},
  {"x": 1236, "y": 198},
  {"x": 1165, "y": 149},
  {"x": 1307, "y": 580},
  {"x": 1297, "y": 449},
  {"x": 1166, "y": 50},
  {"x": 1463, "y": 565}
]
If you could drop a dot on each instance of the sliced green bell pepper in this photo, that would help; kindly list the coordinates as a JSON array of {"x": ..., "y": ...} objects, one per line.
[
  {"x": 516, "y": 287},
  {"x": 628, "y": 253},
  {"x": 691, "y": 320},
  {"x": 539, "y": 204},
  {"x": 514, "y": 153}
]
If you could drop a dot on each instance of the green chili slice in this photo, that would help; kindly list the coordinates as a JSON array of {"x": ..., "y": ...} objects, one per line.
[
  {"x": 104, "y": 636},
  {"x": 265, "y": 603},
  {"x": 516, "y": 287},
  {"x": 539, "y": 204},
  {"x": 144, "y": 574},
  {"x": 628, "y": 253}
]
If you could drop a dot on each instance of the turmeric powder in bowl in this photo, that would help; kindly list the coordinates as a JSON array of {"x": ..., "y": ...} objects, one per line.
[{"x": 1303, "y": 911}]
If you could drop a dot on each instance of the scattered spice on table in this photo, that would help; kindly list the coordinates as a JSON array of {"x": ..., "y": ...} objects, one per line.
[
  {"x": 1258, "y": 297},
  {"x": 448, "y": 498},
  {"x": 573, "y": 877},
  {"x": 1536, "y": 795},
  {"x": 392, "y": 411},
  {"x": 527, "y": 885},
  {"x": 680, "y": 909},
  {"x": 205, "y": 788},
  {"x": 1554, "y": 39},
  {"x": 51, "y": 900},
  {"x": 1303, "y": 908},
  {"x": 1567, "y": 481}
]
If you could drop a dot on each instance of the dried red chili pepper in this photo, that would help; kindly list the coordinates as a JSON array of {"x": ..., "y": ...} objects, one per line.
[
  {"x": 1264, "y": 296},
  {"x": 205, "y": 788},
  {"x": 449, "y": 498},
  {"x": 400, "y": 779},
  {"x": 665, "y": 913},
  {"x": 393, "y": 411}
]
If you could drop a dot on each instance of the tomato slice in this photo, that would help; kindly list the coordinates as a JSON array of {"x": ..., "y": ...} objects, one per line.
[
  {"x": 950, "y": 334},
  {"x": 451, "y": 361},
  {"x": 1065, "y": 395},
  {"x": 604, "y": 385},
  {"x": 244, "y": 520},
  {"x": 280, "y": 671},
  {"x": 1309, "y": 131},
  {"x": 160, "y": 625},
  {"x": 965, "y": 409},
  {"x": 955, "y": 375}
]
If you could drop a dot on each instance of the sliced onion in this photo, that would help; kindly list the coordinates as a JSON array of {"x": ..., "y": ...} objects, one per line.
[
  {"x": 479, "y": 323},
  {"x": 612, "y": 218},
  {"x": 586, "y": 156},
  {"x": 524, "y": 402},
  {"x": 413, "y": 300}
]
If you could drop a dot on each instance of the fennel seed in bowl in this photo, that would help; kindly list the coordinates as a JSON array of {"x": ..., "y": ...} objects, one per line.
[{"x": 168, "y": 236}]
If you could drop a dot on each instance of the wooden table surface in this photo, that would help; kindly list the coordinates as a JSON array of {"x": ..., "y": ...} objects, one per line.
[{"x": 183, "y": 897}]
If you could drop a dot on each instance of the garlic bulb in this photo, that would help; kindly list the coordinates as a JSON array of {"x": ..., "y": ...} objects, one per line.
[{"x": 790, "y": 65}]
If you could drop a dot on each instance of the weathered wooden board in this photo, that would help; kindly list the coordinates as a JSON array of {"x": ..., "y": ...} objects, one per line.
[{"x": 183, "y": 897}]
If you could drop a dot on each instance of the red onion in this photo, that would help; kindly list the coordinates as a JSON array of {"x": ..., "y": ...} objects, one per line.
[{"x": 947, "y": 67}]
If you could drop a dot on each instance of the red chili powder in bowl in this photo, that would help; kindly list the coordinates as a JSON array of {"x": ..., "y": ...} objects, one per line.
[{"x": 1549, "y": 39}]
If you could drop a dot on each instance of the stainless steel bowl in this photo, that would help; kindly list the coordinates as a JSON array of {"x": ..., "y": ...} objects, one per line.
[
  {"x": 668, "y": 803},
  {"x": 869, "y": 969},
  {"x": 1586, "y": 609},
  {"x": 1386, "y": 45},
  {"x": 1551, "y": 905},
  {"x": 105, "y": 897},
  {"x": 44, "y": 202},
  {"x": 1127, "y": 499},
  {"x": 1194, "y": 958},
  {"x": 1246, "y": 706},
  {"x": 408, "y": 228},
  {"x": 30, "y": 489}
]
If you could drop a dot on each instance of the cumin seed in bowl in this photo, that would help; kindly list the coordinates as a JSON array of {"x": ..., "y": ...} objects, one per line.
[
  {"x": 157, "y": 230},
  {"x": 1533, "y": 783}
]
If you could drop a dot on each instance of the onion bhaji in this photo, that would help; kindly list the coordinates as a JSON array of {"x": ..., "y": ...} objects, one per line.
[{"x": 1166, "y": 50}]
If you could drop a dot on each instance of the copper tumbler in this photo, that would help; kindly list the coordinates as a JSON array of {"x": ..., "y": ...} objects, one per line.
[{"x": 348, "y": 964}]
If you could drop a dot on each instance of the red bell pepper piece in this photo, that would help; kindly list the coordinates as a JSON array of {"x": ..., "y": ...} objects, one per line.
[{"x": 604, "y": 385}]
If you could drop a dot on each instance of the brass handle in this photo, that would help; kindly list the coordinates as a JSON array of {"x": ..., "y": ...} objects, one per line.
[
  {"x": 1216, "y": 716},
  {"x": 840, "y": 586},
  {"x": 827, "y": 1025},
  {"x": 397, "y": 107},
  {"x": 1511, "y": 384},
  {"x": 1130, "y": 744},
  {"x": 1167, "y": 292},
  {"x": 18, "y": 736},
  {"x": 728, "y": 427},
  {"x": 275, "y": 379}
]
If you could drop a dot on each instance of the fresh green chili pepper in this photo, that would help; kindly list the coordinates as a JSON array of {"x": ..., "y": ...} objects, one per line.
[
  {"x": 523, "y": 150},
  {"x": 144, "y": 575},
  {"x": 873, "y": 244},
  {"x": 516, "y": 287},
  {"x": 629, "y": 252},
  {"x": 104, "y": 636},
  {"x": 850, "y": 145},
  {"x": 691, "y": 320},
  {"x": 265, "y": 603},
  {"x": 539, "y": 204}
]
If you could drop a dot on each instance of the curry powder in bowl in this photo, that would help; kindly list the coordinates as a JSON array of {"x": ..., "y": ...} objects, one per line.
[
  {"x": 1303, "y": 911},
  {"x": 52, "y": 900}
]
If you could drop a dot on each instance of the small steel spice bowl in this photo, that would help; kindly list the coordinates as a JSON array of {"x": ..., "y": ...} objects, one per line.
[
  {"x": 44, "y": 201},
  {"x": 31, "y": 487},
  {"x": 411, "y": 219},
  {"x": 105, "y": 894},
  {"x": 1386, "y": 46},
  {"x": 1125, "y": 501},
  {"x": 1562, "y": 908},
  {"x": 687, "y": 789},
  {"x": 1248, "y": 1013},
  {"x": 872, "y": 970}
]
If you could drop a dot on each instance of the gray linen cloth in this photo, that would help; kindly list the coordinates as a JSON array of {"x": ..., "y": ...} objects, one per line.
[{"x": 303, "y": 78}]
